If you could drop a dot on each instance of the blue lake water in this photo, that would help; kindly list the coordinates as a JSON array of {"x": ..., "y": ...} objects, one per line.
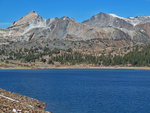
[{"x": 83, "y": 91}]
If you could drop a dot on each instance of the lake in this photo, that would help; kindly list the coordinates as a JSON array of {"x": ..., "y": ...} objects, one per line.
[{"x": 83, "y": 90}]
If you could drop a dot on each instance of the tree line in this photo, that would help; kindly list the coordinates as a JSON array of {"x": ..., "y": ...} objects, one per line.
[{"x": 139, "y": 56}]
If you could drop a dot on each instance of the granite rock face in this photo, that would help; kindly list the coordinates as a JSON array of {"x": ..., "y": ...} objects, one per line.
[
  {"x": 139, "y": 24},
  {"x": 104, "y": 19},
  {"x": 32, "y": 27},
  {"x": 108, "y": 19},
  {"x": 27, "y": 18},
  {"x": 145, "y": 27}
]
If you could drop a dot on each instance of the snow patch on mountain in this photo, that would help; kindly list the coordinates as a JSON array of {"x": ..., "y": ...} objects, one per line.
[
  {"x": 37, "y": 24},
  {"x": 132, "y": 20},
  {"x": 115, "y": 16}
]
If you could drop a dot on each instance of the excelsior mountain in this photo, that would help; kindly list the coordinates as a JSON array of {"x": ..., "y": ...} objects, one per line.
[{"x": 101, "y": 31}]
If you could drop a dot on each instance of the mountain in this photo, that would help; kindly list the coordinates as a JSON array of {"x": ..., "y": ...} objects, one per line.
[
  {"x": 32, "y": 16},
  {"x": 108, "y": 19},
  {"x": 99, "y": 32},
  {"x": 104, "y": 19},
  {"x": 35, "y": 25}
]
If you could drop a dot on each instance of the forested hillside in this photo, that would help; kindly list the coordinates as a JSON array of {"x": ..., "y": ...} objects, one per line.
[{"x": 138, "y": 56}]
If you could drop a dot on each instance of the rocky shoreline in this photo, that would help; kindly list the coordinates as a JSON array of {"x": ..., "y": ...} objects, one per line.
[{"x": 14, "y": 103}]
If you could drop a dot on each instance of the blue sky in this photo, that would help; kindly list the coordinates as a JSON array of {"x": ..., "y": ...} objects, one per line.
[{"x": 80, "y": 10}]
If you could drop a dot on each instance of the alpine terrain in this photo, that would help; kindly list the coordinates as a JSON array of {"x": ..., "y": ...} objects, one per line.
[{"x": 35, "y": 41}]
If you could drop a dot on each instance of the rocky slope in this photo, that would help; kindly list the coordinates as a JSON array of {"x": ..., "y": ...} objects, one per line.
[
  {"x": 108, "y": 19},
  {"x": 145, "y": 27},
  {"x": 104, "y": 19},
  {"x": 15, "y": 103},
  {"x": 32, "y": 29},
  {"x": 138, "y": 24}
]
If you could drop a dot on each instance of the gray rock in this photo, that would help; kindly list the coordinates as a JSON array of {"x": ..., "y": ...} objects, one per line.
[{"x": 33, "y": 27}]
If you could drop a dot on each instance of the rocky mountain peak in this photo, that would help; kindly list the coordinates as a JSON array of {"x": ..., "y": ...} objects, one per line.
[
  {"x": 108, "y": 19},
  {"x": 102, "y": 16},
  {"x": 108, "y": 14},
  {"x": 65, "y": 18},
  {"x": 101, "y": 26},
  {"x": 27, "y": 18}
]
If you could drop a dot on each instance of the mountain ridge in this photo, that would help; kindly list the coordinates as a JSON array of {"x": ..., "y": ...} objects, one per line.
[
  {"x": 103, "y": 26},
  {"x": 103, "y": 40},
  {"x": 132, "y": 20}
]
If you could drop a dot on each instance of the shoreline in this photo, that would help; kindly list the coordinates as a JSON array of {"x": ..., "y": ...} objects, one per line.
[
  {"x": 13, "y": 102},
  {"x": 22, "y": 66},
  {"x": 75, "y": 67}
]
